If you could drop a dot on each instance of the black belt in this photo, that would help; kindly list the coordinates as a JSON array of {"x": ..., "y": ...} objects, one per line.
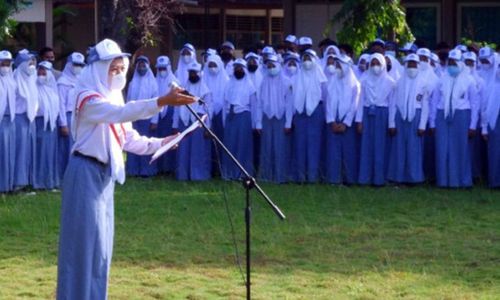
[{"x": 91, "y": 158}]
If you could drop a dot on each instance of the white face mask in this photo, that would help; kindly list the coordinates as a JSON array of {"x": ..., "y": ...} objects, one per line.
[
  {"x": 274, "y": 71},
  {"x": 376, "y": 70},
  {"x": 307, "y": 64},
  {"x": 214, "y": 70},
  {"x": 4, "y": 71},
  {"x": 187, "y": 58},
  {"x": 118, "y": 81},
  {"x": 412, "y": 72},
  {"x": 330, "y": 69},
  {"x": 339, "y": 73},
  {"x": 391, "y": 53},
  {"x": 162, "y": 74},
  {"x": 42, "y": 79},
  {"x": 292, "y": 69},
  {"x": 77, "y": 70},
  {"x": 424, "y": 65},
  {"x": 31, "y": 70}
]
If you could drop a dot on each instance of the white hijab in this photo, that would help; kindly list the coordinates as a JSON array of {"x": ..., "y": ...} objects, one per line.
[
  {"x": 199, "y": 90},
  {"x": 340, "y": 91},
  {"x": 27, "y": 90},
  {"x": 377, "y": 87},
  {"x": 407, "y": 90},
  {"x": 239, "y": 91},
  {"x": 142, "y": 87},
  {"x": 396, "y": 68},
  {"x": 308, "y": 87},
  {"x": 49, "y": 101},
  {"x": 453, "y": 88},
  {"x": 273, "y": 91},
  {"x": 182, "y": 67},
  {"x": 216, "y": 82},
  {"x": 67, "y": 76},
  {"x": 94, "y": 79},
  {"x": 8, "y": 95},
  {"x": 164, "y": 84}
]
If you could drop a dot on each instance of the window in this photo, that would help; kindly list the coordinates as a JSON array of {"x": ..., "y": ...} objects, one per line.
[
  {"x": 480, "y": 23},
  {"x": 423, "y": 23},
  {"x": 191, "y": 29}
]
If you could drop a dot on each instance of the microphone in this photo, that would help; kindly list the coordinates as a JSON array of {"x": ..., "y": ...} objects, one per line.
[{"x": 174, "y": 84}]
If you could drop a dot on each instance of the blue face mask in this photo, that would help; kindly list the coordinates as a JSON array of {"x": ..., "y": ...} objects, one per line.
[
  {"x": 142, "y": 71},
  {"x": 453, "y": 71}
]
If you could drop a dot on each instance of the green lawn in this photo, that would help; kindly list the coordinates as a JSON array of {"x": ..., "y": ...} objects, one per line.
[{"x": 173, "y": 241}]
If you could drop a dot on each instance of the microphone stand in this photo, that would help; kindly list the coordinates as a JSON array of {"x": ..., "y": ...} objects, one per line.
[{"x": 249, "y": 183}]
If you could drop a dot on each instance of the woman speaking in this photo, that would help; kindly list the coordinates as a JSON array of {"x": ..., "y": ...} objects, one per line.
[{"x": 102, "y": 130}]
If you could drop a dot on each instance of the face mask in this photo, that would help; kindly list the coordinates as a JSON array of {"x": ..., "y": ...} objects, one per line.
[
  {"x": 118, "y": 82},
  {"x": 163, "y": 74},
  {"x": 412, "y": 72},
  {"x": 239, "y": 74},
  {"x": 453, "y": 71},
  {"x": 42, "y": 79},
  {"x": 4, "y": 70},
  {"x": 376, "y": 70},
  {"x": 486, "y": 66},
  {"x": 331, "y": 69},
  {"x": 187, "y": 59},
  {"x": 292, "y": 69},
  {"x": 142, "y": 71},
  {"x": 391, "y": 53},
  {"x": 339, "y": 73},
  {"x": 214, "y": 70},
  {"x": 307, "y": 64},
  {"x": 362, "y": 67},
  {"x": 252, "y": 68},
  {"x": 273, "y": 71},
  {"x": 31, "y": 70},
  {"x": 226, "y": 56},
  {"x": 77, "y": 70},
  {"x": 194, "y": 78},
  {"x": 424, "y": 65}
]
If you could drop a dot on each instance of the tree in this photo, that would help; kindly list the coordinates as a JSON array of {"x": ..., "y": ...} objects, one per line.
[
  {"x": 365, "y": 20},
  {"x": 7, "y": 24},
  {"x": 136, "y": 23}
]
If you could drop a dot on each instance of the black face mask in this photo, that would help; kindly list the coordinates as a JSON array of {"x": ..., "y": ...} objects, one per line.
[
  {"x": 252, "y": 68},
  {"x": 239, "y": 74},
  {"x": 226, "y": 56},
  {"x": 194, "y": 78},
  {"x": 389, "y": 67}
]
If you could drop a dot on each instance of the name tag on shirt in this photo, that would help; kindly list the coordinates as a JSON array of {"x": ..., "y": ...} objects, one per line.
[{"x": 420, "y": 97}]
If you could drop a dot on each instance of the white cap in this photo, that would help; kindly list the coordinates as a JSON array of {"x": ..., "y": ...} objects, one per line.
[
  {"x": 412, "y": 57},
  {"x": 462, "y": 48},
  {"x": 435, "y": 58},
  {"x": 5, "y": 55},
  {"x": 162, "y": 61},
  {"x": 268, "y": 50},
  {"x": 228, "y": 44},
  {"x": 241, "y": 62},
  {"x": 291, "y": 39},
  {"x": 105, "y": 50},
  {"x": 424, "y": 52},
  {"x": 470, "y": 56},
  {"x": 485, "y": 52},
  {"x": 194, "y": 66},
  {"x": 455, "y": 54},
  {"x": 305, "y": 40},
  {"x": 46, "y": 65},
  {"x": 211, "y": 51},
  {"x": 77, "y": 58},
  {"x": 343, "y": 58},
  {"x": 251, "y": 55}
]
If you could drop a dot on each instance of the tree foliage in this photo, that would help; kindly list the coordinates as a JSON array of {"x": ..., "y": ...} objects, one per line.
[
  {"x": 364, "y": 20},
  {"x": 7, "y": 9},
  {"x": 136, "y": 23}
]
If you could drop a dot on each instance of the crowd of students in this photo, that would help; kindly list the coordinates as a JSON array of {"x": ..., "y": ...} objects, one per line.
[{"x": 405, "y": 115}]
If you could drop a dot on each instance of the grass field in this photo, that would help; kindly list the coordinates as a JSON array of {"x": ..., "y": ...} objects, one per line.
[{"x": 173, "y": 241}]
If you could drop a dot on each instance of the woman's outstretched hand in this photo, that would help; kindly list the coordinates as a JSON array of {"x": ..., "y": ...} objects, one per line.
[{"x": 175, "y": 98}]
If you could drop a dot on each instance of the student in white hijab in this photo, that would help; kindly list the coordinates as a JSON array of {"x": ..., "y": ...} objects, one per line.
[
  {"x": 394, "y": 68},
  {"x": 478, "y": 148},
  {"x": 187, "y": 56},
  {"x": 162, "y": 122},
  {"x": 142, "y": 86},
  {"x": 255, "y": 73},
  {"x": 102, "y": 130},
  {"x": 8, "y": 87},
  {"x": 309, "y": 119},
  {"x": 216, "y": 79},
  {"x": 491, "y": 127},
  {"x": 240, "y": 97},
  {"x": 362, "y": 66},
  {"x": 407, "y": 122},
  {"x": 291, "y": 66},
  {"x": 194, "y": 155},
  {"x": 377, "y": 89},
  {"x": 26, "y": 108},
  {"x": 46, "y": 174},
  {"x": 66, "y": 86},
  {"x": 341, "y": 138},
  {"x": 329, "y": 67},
  {"x": 330, "y": 50},
  {"x": 274, "y": 121},
  {"x": 455, "y": 118}
]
